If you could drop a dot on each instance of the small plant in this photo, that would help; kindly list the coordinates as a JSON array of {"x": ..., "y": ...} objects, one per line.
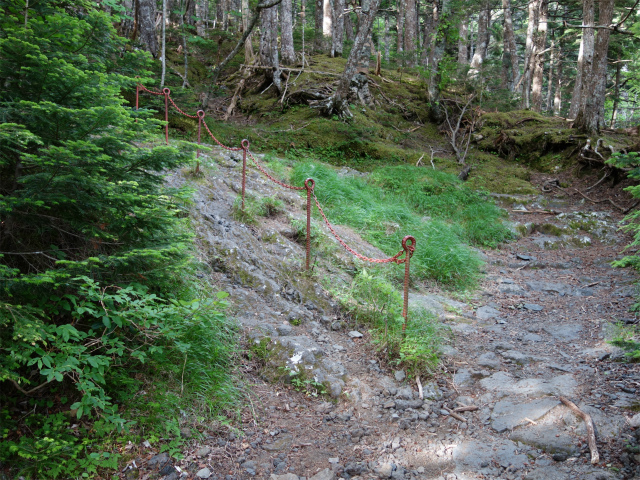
[
  {"x": 627, "y": 337},
  {"x": 248, "y": 214},
  {"x": 309, "y": 386},
  {"x": 270, "y": 207},
  {"x": 296, "y": 322}
]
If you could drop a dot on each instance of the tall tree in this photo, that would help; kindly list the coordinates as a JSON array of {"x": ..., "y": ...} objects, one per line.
[
  {"x": 337, "y": 42},
  {"x": 510, "y": 60},
  {"x": 585, "y": 56},
  {"x": 484, "y": 18},
  {"x": 318, "y": 17},
  {"x": 590, "y": 117},
  {"x": 286, "y": 28},
  {"x": 146, "y": 23},
  {"x": 410, "y": 29},
  {"x": 338, "y": 103},
  {"x": 529, "y": 52},
  {"x": 463, "y": 41},
  {"x": 540, "y": 41},
  {"x": 164, "y": 42},
  {"x": 269, "y": 45}
]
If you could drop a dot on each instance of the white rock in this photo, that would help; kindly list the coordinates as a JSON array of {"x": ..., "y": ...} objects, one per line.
[
  {"x": 355, "y": 334},
  {"x": 635, "y": 421},
  {"x": 204, "y": 473}
]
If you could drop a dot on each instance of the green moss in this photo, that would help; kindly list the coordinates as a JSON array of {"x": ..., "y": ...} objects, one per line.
[{"x": 551, "y": 229}]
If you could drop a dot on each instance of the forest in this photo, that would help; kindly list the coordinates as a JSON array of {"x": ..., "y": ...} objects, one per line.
[{"x": 131, "y": 280}]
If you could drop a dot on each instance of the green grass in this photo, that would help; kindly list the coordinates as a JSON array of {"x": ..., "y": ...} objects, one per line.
[{"x": 441, "y": 213}]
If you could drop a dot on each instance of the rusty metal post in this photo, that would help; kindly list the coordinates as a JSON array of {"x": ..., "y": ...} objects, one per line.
[
  {"x": 408, "y": 252},
  {"x": 166, "y": 93},
  {"x": 200, "y": 118},
  {"x": 245, "y": 147},
  {"x": 309, "y": 184}
]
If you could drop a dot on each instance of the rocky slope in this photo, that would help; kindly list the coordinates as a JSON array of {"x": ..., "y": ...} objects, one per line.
[{"x": 535, "y": 331}]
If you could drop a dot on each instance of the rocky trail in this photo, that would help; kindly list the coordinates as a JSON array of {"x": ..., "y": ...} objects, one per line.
[{"x": 535, "y": 330}]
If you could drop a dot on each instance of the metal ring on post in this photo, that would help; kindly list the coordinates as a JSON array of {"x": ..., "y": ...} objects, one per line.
[
  {"x": 245, "y": 147},
  {"x": 408, "y": 253},
  {"x": 309, "y": 183}
]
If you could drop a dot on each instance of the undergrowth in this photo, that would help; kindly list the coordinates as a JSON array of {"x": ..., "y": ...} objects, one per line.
[
  {"x": 372, "y": 300},
  {"x": 440, "y": 212}
]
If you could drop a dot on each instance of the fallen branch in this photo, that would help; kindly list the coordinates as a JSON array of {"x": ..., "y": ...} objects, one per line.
[
  {"x": 454, "y": 414},
  {"x": 419, "y": 387},
  {"x": 466, "y": 408},
  {"x": 591, "y": 434},
  {"x": 544, "y": 212},
  {"x": 601, "y": 201}
]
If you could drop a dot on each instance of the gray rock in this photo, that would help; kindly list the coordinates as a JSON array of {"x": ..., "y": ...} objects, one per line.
[
  {"x": 405, "y": 393},
  {"x": 400, "y": 375},
  {"x": 326, "y": 474},
  {"x": 284, "y": 329},
  {"x": 549, "y": 287},
  {"x": 530, "y": 387},
  {"x": 564, "y": 332},
  {"x": 546, "y": 437},
  {"x": 281, "y": 443},
  {"x": 508, "y": 415},
  {"x": 511, "y": 289},
  {"x": 385, "y": 470},
  {"x": 534, "y": 307},
  {"x": 203, "y": 451},
  {"x": 355, "y": 334},
  {"x": 546, "y": 473},
  {"x": 473, "y": 454},
  {"x": 519, "y": 357},
  {"x": 286, "y": 476},
  {"x": 204, "y": 473},
  {"x": 404, "y": 404},
  {"x": 158, "y": 460},
  {"x": 463, "y": 377},
  {"x": 489, "y": 360},
  {"x": 532, "y": 337},
  {"x": 487, "y": 313},
  {"x": 634, "y": 421}
]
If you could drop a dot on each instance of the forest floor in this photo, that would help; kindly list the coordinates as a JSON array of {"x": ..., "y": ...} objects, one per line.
[{"x": 535, "y": 330}]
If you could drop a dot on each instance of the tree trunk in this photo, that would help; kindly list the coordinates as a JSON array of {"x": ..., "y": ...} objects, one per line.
[
  {"x": 318, "y": 37},
  {"x": 540, "y": 41},
  {"x": 386, "y": 37},
  {"x": 427, "y": 36},
  {"x": 482, "y": 42},
  {"x": 338, "y": 103},
  {"x": 557, "y": 100},
  {"x": 552, "y": 64},
  {"x": 349, "y": 32},
  {"x": 286, "y": 27},
  {"x": 338, "y": 29},
  {"x": 590, "y": 117},
  {"x": 327, "y": 23},
  {"x": 616, "y": 94},
  {"x": 400, "y": 27},
  {"x": 585, "y": 56},
  {"x": 510, "y": 61},
  {"x": 249, "y": 55},
  {"x": 147, "y": 25},
  {"x": 529, "y": 52},
  {"x": 269, "y": 45},
  {"x": 164, "y": 42},
  {"x": 410, "y": 30},
  {"x": 463, "y": 45},
  {"x": 201, "y": 12}
]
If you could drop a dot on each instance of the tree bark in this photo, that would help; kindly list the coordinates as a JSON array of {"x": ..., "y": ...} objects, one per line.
[
  {"x": 146, "y": 15},
  {"x": 400, "y": 26},
  {"x": 337, "y": 40},
  {"x": 201, "y": 12},
  {"x": 338, "y": 103},
  {"x": 529, "y": 52},
  {"x": 557, "y": 99},
  {"x": 327, "y": 23},
  {"x": 249, "y": 55},
  {"x": 590, "y": 117},
  {"x": 616, "y": 94},
  {"x": 286, "y": 29},
  {"x": 386, "y": 37},
  {"x": 349, "y": 32},
  {"x": 585, "y": 56},
  {"x": 482, "y": 43},
  {"x": 410, "y": 30},
  {"x": 463, "y": 42},
  {"x": 318, "y": 37},
  {"x": 540, "y": 41},
  {"x": 552, "y": 65},
  {"x": 269, "y": 45},
  {"x": 427, "y": 35},
  {"x": 510, "y": 62}
]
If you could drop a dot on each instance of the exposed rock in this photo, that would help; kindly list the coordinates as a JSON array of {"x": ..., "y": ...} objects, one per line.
[
  {"x": 281, "y": 443},
  {"x": 548, "y": 438},
  {"x": 326, "y": 474},
  {"x": 508, "y": 414},
  {"x": 487, "y": 313},
  {"x": 203, "y": 473}
]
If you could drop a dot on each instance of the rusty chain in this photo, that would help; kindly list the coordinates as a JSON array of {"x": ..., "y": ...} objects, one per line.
[{"x": 285, "y": 185}]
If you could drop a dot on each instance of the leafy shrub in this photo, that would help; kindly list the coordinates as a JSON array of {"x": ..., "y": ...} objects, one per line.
[{"x": 96, "y": 269}]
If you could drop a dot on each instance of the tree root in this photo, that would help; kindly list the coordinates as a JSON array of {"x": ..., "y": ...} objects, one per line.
[{"x": 591, "y": 434}]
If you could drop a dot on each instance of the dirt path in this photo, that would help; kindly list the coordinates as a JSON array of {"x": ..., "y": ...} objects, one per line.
[{"x": 536, "y": 330}]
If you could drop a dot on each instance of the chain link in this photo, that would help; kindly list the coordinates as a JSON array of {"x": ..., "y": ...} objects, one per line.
[
  {"x": 150, "y": 91},
  {"x": 179, "y": 110},
  {"x": 290, "y": 187},
  {"x": 232, "y": 149},
  {"x": 394, "y": 259}
]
